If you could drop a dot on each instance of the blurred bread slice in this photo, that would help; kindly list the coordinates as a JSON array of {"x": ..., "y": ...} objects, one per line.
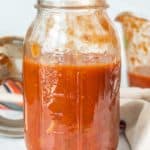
[
  {"x": 131, "y": 23},
  {"x": 136, "y": 31}
]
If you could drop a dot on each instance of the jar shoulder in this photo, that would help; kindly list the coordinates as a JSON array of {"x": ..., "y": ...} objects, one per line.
[{"x": 79, "y": 31}]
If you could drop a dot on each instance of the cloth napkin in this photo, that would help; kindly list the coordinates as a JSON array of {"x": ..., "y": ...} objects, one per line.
[
  {"x": 11, "y": 95},
  {"x": 11, "y": 115},
  {"x": 135, "y": 116},
  {"x": 135, "y": 111}
]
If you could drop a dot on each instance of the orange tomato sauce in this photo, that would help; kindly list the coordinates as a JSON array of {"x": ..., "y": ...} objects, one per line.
[{"x": 71, "y": 107}]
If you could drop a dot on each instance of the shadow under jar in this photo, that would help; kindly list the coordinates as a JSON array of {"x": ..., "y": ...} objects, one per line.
[{"x": 71, "y": 77}]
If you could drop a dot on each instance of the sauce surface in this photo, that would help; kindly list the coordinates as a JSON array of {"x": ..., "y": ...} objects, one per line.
[
  {"x": 140, "y": 77},
  {"x": 71, "y": 107}
]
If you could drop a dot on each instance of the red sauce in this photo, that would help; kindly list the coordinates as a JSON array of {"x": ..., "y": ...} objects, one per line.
[
  {"x": 140, "y": 77},
  {"x": 71, "y": 107}
]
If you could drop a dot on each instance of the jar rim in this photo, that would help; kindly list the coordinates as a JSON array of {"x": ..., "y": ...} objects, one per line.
[{"x": 49, "y": 5}]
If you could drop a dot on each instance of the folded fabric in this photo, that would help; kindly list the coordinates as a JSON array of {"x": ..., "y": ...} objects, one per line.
[
  {"x": 11, "y": 95},
  {"x": 135, "y": 110},
  {"x": 11, "y": 106}
]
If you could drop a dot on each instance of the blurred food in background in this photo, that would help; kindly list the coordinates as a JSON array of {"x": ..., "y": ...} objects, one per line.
[
  {"x": 11, "y": 101},
  {"x": 137, "y": 44},
  {"x": 11, "y": 54}
]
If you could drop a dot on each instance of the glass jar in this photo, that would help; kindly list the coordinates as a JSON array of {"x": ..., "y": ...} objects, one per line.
[
  {"x": 11, "y": 56},
  {"x": 71, "y": 77},
  {"x": 136, "y": 31}
]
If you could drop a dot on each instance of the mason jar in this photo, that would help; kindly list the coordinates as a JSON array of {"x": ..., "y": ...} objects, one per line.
[{"x": 71, "y": 77}]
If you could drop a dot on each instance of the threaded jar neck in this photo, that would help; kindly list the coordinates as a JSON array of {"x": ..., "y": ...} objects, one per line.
[{"x": 72, "y": 3}]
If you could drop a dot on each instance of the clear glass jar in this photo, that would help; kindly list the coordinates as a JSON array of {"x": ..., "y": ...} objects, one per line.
[
  {"x": 71, "y": 77},
  {"x": 136, "y": 29}
]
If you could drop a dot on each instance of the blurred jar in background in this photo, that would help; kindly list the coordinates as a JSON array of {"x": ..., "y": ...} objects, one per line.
[
  {"x": 137, "y": 44},
  {"x": 11, "y": 53}
]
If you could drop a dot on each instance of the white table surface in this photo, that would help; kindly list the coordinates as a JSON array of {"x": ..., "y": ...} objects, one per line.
[{"x": 18, "y": 144}]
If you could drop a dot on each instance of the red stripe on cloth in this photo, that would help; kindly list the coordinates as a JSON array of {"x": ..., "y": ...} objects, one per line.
[
  {"x": 19, "y": 85},
  {"x": 13, "y": 87},
  {"x": 3, "y": 107}
]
